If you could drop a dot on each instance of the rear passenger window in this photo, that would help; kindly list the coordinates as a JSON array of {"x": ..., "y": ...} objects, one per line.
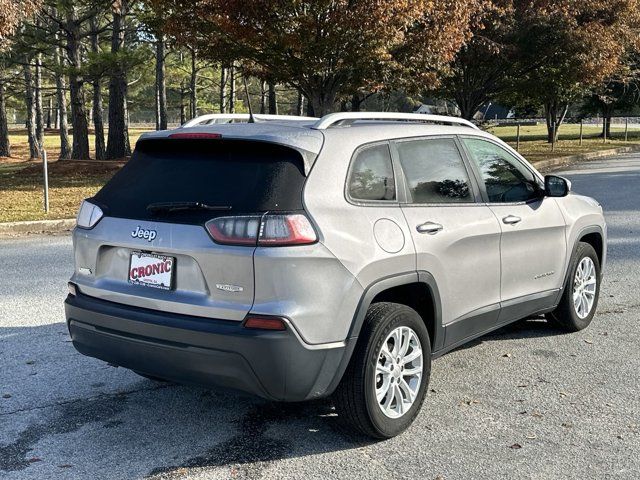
[
  {"x": 371, "y": 176},
  {"x": 434, "y": 171}
]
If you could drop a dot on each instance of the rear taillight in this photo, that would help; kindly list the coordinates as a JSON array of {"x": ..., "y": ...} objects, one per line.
[
  {"x": 235, "y": 230},
  {"x": 269, "y": 230}
]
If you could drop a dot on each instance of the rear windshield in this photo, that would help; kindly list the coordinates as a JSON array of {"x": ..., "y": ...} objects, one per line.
[{"x": 246, "y": 176}]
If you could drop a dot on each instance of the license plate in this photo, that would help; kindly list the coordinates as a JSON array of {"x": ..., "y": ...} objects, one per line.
[{"x": 151, "y": 270}]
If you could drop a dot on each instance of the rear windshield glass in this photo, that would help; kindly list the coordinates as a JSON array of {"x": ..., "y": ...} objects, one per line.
[{"x": 246, "y": 176}]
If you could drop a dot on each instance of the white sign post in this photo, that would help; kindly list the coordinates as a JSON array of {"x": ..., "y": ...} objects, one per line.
[{"x": 45, "y": 172}]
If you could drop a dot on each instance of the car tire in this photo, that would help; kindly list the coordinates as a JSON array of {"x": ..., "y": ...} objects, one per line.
[
  {"x": 575, "y": 312},
  {"x": 371, "y": 371}
]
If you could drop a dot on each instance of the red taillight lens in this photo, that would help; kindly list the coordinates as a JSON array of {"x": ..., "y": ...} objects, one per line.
[
  {"x": 264, "y": 323},
  {"x": 270, "y": 230},
  {"x": 235, "y": 230},
  {"x": 195, "y": 136},
  {"x": 292, "y": 229}
]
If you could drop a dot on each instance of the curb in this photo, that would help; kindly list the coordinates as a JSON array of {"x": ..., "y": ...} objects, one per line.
[
  {"x": 553, "y": 163},
  {"x": 36, "y": 226}
]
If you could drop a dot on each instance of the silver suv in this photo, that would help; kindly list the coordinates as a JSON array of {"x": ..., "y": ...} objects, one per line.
[{"x": 298, "y": 258}]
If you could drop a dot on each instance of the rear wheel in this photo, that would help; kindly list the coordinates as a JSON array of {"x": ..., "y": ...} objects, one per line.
[
  {"x": 580, "y": 297},
  {"x": 385, "y": 384}
]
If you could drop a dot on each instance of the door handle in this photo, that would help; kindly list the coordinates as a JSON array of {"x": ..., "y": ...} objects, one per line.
[
  {"x": 429, "y": 227},
  {"x": 511, "y": 220}
]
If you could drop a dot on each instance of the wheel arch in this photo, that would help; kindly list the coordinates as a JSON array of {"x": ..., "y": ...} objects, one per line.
[
  {"x": 593, "y": 235},
  {"x": 396, "y": 288}
]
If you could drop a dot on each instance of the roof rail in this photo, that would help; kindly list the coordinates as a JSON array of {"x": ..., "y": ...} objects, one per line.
[
  {"x": 350, "y": 117},
  {"x": 239, "y": 117}
]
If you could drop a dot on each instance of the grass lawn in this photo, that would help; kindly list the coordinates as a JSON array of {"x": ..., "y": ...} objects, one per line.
[
  {"x": 70, "y": 181},
  {"x": 534, "y": 146}
]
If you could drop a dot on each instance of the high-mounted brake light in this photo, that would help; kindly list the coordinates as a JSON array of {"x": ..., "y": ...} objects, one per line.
[
  {"x": 264, "y": 322},
  {"x": 270, "y": 230},
  {"x": 195, "y": 136}
]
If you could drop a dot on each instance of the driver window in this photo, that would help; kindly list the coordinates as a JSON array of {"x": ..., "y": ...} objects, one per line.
[{"x": 505, "y": 179}]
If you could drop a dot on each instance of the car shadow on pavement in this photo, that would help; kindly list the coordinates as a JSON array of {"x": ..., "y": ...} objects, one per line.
[
  {"x": 63, "y": 412},
  {"x": 533, "y": 327}
]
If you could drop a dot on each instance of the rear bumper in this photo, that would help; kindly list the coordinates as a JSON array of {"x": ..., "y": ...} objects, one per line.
[{"x": 275, "y": 365}]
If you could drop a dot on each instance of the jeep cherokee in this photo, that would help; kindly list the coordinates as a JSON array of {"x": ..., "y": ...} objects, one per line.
[{"x": 296, "y": 258}]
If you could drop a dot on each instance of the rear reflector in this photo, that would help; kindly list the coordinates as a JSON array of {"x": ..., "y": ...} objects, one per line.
[
  {"x": 270, "y": 230},
  {"x": 195, "y": 135},
  {"x": 264, "y": 323}
]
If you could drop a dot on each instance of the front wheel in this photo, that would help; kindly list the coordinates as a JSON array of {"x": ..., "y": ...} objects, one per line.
[
  {"x": 580, "y": 297},
  {"x": 386, "y": 382}
]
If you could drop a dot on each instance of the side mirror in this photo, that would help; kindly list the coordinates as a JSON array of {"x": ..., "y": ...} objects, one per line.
[{"x": 555, "y": 186}]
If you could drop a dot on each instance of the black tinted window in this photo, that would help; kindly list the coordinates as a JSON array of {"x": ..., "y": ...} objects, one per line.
[
  {"x": 505, "y": 178},
  {"x": 248, "y": 176},
  {"x": 371, "y": 175},
  {"x": 434, "y": 171}
]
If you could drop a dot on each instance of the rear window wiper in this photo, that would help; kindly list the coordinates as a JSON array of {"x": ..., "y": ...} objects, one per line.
[{"x": 162, "y": 207}]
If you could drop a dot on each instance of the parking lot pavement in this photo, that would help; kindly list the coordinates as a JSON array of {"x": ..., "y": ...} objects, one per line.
[{"x": 524, "y": 402}]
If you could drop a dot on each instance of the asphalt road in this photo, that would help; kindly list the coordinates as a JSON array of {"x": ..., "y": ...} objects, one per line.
[{"x": 524, "y": 402}]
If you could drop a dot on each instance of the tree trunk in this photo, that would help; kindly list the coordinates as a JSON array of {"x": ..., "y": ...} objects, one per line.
[
  {"x": 49, "y": 112},
  {"x": 322, "y": 101},
  {"x": 38, "y": 103},
  {"x": 607, "y": 113},
  {"x": 356, "y": 102},
  {"x": 161, "y": 84},
  {"x": 555, "y": 113},
  {"x": 80, "y": 149},
  {"x": 300, "y": 104},
  {"x": 193, "y": 85},
  {"x": 223, "y": 89},
  {"x": 232, "y": 89},
  {"x": 183, "y": 108},
  {"x": 263, "y": 97},
  {"x": 273, "y": 100},
  {"x": 61, "y": 99},
  {"x": 30, "y": 103},
  {"x": 97, "y": 109},
  {"x": 118, "y": 140},
  {"x": 5, "y": 144},
  {"x": 310, "y": 112}
]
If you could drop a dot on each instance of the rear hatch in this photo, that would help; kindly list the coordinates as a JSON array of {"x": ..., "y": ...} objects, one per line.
[{"x": 154, "y": 245}]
